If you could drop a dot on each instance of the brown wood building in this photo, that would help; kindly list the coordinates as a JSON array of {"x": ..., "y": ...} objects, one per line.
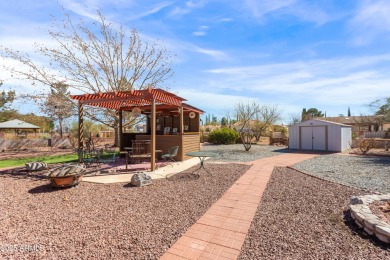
[{"x": 170, "y": 122}]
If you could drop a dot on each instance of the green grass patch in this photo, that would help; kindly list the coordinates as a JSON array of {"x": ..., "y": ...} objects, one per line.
[{"x": 47, "y": 159}]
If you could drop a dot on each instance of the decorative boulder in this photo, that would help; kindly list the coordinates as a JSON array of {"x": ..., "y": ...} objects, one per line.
[
  {"x": 141, "y": 179},
  {"x": 36, "y": 166}
]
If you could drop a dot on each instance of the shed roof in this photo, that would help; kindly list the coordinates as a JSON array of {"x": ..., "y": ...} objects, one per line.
[
  {"x": 17, "y": 124},
  {"x": 320, "y": 121}
]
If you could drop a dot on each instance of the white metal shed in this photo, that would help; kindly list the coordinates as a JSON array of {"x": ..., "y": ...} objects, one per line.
[{"x": 320, "y": 135}]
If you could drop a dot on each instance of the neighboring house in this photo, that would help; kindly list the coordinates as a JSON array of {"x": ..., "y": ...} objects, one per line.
[{"x": 360, "y": 123}]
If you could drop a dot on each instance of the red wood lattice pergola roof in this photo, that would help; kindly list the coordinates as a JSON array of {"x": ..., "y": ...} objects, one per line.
[{"x": 121, "y": 99}]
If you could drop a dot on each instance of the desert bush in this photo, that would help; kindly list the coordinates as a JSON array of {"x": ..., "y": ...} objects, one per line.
[
  {"x": 364, "y": 146},
  {"x": 223, "y": 136}
]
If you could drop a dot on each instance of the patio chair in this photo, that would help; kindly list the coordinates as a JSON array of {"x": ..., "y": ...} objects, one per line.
[
  {"x": 90, "y": 158},
  {"x": 172, "y": 152},
  {"x": 111, "y": 158},
  {"x": 140, "y": 151}
]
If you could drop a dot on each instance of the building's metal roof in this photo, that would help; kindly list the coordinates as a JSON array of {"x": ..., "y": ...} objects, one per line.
[{"x": 17, "y": 124}]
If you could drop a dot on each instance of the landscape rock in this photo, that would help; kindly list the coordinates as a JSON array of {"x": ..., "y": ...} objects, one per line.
[{"x": 141, "y": 179}]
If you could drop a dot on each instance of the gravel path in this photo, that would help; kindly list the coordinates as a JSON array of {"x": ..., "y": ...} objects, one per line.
[
  {"x": 301, "y": 217},
  {"x": 237, "y": 153},
  {"x": 95, "y": 221},
  {"x": 371, "y": 173}
]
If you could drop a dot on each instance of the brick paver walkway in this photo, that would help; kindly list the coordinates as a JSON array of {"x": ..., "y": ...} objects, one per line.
[{"x": 221, "y": 231}]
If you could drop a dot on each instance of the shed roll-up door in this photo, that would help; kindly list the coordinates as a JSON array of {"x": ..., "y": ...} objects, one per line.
[{"x": 313, "y": 138}]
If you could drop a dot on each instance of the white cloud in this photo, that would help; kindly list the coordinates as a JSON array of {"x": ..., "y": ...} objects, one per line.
[
  {"x": 82, "y": 9},
  {"x": 178, "y": 11},
  {"x": 201, "y": 30},
  {"x": 303, "y": 10},
  {"x": 188, "y": 7},
  {"x": 260, "y": 8},
  {"x": 337, "y": 81},
  {"x": 199, "y": 33},
  {"x": 226, "y": 20},
  {"x": 216, "y": 54},
  {"x": 371, "y": 20},
  {"x": 211, "y": 100},
  {"x": 152, "y": 10}
]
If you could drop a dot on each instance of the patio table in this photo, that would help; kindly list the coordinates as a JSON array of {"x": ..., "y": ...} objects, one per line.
[{"x": 202, "y": 156}]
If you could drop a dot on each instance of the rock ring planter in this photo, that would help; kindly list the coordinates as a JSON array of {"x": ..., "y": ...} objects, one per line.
[{"x": 367, "y": 220}]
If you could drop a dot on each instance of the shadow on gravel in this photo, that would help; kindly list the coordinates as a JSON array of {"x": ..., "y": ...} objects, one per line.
[
  {"x": 378, "y": 160},
  {"x": 129, "y": 185},
  {"x": 18, "y": 173},
  {"x": 357, "y": 231},
  {"x": 283, "y": 150},
  {"x": 46, "y": 188}
]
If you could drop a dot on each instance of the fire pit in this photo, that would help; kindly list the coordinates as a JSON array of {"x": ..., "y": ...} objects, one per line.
[{"x": 67, "y": 175}]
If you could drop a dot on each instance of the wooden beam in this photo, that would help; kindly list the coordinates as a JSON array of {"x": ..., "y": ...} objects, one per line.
[
  {"x": 115, "y": 99},
  {"x": 153, "y": 136}
]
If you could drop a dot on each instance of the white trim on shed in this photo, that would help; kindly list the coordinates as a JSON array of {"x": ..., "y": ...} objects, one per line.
[{"x": 320, "y": 135}]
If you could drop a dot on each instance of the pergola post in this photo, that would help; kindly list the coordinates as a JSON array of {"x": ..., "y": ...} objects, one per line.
[
  {"x": 153, "y": 136},
  {"x": 181, "y": 120},
  {"x": 181, "y": 133},
  {"x": 120, "y": 130},
  {"x": 81, "y": 131}
]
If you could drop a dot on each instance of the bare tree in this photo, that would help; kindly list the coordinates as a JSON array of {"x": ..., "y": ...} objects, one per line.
[
  {"x": 245, "y": 113},
  {"x": 294, "y": 118},
  {"x": 57, "y": 105},
  {"x": 266, "y": 116},
  {"x": 381, "y": 107},
  {"x": 6, "y": 98},
  {"x": 372, "y": 123},
  {"x": 93, "y": 58}
]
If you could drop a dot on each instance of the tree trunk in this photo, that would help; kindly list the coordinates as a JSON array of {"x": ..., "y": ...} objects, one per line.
[
  {"x": 60, "y": 123},
  {"x": 246, "y": 138},
  {"x": 116, "y": 132}
]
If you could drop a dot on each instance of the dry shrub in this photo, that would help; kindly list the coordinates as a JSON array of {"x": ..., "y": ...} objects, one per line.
[{"x": 364, "y": 146}]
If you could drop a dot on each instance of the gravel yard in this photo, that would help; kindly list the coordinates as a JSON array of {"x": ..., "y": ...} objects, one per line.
[
  {"x": 301, "y": 217},
  {"x": 371, "y": 173},
  {"x": 96, "y": 221},
  {"x": 237, "y": 153}
]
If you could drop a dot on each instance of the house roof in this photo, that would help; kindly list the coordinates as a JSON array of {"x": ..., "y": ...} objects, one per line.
[
  {"x": 126, "y": 100},
  {"x": 17, "y": 124},
  {"x": 349, "y": 120}
]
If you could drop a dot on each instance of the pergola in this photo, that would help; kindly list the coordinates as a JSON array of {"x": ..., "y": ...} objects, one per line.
[{"x": 148, "y": 100}]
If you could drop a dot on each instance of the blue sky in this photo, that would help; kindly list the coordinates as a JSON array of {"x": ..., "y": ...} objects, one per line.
[{"x": 297, "y": 54}]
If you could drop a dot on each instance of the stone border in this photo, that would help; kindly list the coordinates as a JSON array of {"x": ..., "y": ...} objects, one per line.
[{"x": 364, "y": 218}]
